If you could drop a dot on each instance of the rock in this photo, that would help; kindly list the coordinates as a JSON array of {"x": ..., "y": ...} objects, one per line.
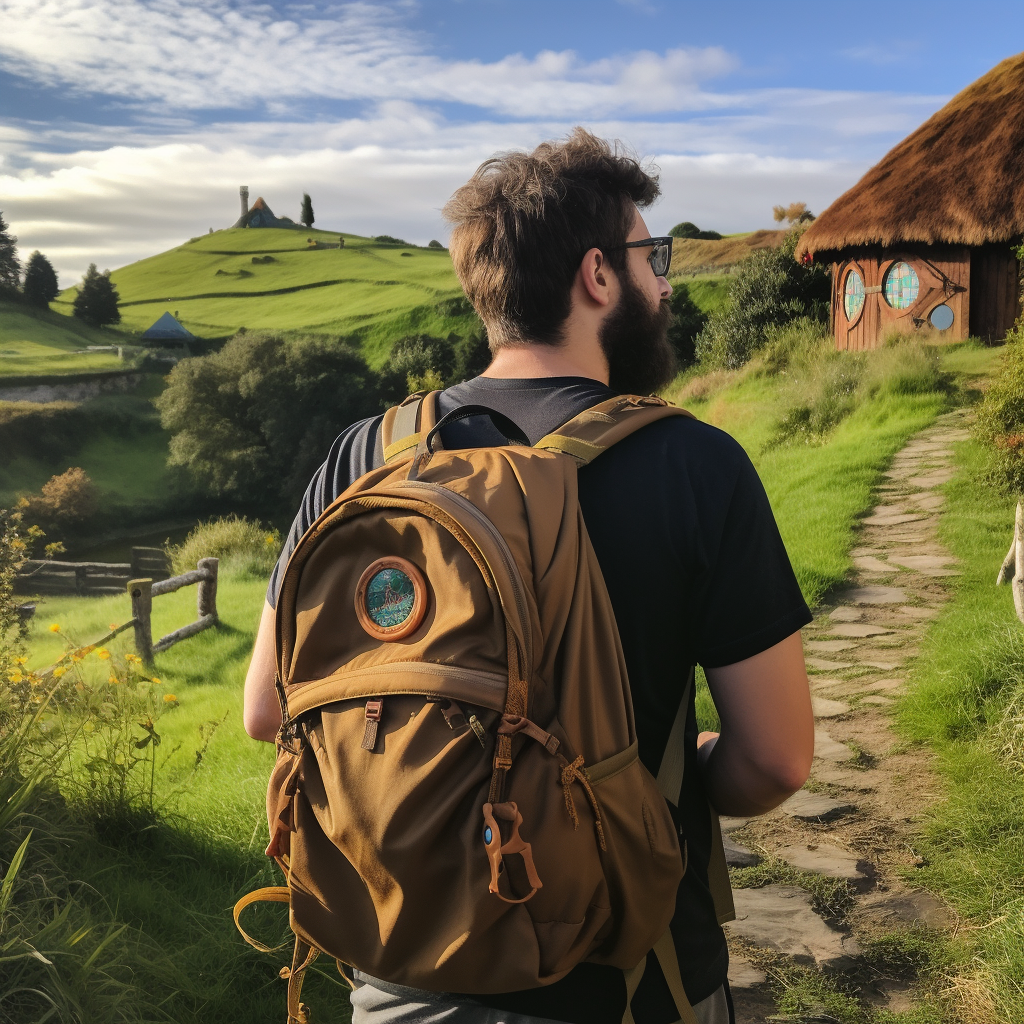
[
  {"x": 859, "y": 629},
  {"x": 922, "y": 561},
  {"x": 823, "y": 859},
  {"x": 828, "y": 646},
  {"x": 900, "y": 910},
  {"x": 737, "y": 856},
  {"x": 780, "y": 917},
  {"x": 896, "y": 520},
  {"x": 930, "y": 501},
  {"x": 868, "y": 563},
  {"x": 808, "y": 806},
  {"x": 934, "y": 479},
  {"x": 827, "y": 666},
  {"x": 845, "y": 614},
  {"x": 883, "y": 666},
  {"x": 829, "y": 749},
  {"x": 875, "y": 699},
  {"x": 729, "y": 825},
  {"x": 825, "y": 708},
  {"x": 825, "y": 684},
  {"x": 885, "y": 684},
  {"x": 875, "y": 595},
  {"x": 743, "y": 974}
]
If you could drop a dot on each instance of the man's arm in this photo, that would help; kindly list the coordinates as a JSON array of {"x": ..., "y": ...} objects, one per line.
[
  {"x": 763, "y": 753},
  {"x": 261, "y": 713}
]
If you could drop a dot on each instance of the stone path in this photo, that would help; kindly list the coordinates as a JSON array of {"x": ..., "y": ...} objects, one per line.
[{"x": 855, "y": 820}]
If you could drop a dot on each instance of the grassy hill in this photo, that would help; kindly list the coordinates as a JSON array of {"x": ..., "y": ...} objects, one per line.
[
  {"x": 38, "y": 341},
  {"x": 714, "y": 256},
  {"x": 277, "y": 279}
]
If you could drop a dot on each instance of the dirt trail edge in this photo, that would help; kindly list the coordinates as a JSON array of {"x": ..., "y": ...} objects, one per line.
[{"x": 835, "y": 853}]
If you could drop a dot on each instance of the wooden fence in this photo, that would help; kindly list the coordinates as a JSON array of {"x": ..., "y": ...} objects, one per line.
[
  {"x": 90, "y": 579},
  {"x": 142, "y": 592}
]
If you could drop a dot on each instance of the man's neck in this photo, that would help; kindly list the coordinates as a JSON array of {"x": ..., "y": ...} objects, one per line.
[{"x": 565, "y": 360}]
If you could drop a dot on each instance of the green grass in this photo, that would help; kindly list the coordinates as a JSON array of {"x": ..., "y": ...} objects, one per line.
[
  {"x": 710, "y": 292},
  {"x": 38, "y": 341},
  {"x": 214, "y": 287},
  {"x": 963, "y": 688}
]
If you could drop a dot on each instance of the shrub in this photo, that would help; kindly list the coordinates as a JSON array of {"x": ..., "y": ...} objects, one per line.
[
  {"x": 412, "y": 360},
  {"x": 434, "y": 244},
  {"x": 687, "y": 321},
  {"x": 390, "y": 240},
  {"x": 255, "y": 419},
  {"x": 1000, "y": 418},
  {"x": 768, "y": 290},
  {"x": 244, "y": 545},
  {"x": 64, "y": 503}
]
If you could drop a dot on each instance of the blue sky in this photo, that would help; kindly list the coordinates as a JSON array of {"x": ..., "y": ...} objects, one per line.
[{"x": 126, "y": 126}]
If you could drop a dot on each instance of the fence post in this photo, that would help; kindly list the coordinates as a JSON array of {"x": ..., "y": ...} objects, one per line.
[
  {"x": 206, "y": 591},
  {"x": 141, "y": 592}
]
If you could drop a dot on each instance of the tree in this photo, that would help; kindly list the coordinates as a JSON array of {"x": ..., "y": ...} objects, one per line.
[
  {"x": 40, "y": 286},
  {"x": 687, "y": 229},
  {"x": 434, "y": 244},
  {"x": 795, "y": 213},
  {"x": 97, "y": 299},
  {"x": 10, "y": 265},
  {"x": 254, "y": 420},
  {"x": 307, "y": 210}
]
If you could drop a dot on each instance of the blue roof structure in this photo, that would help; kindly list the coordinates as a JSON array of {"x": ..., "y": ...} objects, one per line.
[{"x": 167, "y": 328}]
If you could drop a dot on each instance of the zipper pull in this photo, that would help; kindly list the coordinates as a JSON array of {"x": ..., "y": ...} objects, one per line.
[
  {"x": 373, "y": 710},
  {"x": 478, "y": 729}
]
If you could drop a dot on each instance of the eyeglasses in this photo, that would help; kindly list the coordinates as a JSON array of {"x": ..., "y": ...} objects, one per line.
[{"x": 661, "y": 252}]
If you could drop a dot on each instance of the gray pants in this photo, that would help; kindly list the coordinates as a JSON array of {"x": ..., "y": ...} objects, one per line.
[{"x": 397, "y": 1005}]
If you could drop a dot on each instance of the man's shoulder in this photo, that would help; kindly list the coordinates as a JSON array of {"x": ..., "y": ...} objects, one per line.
[{"x": 690, "y": 441}]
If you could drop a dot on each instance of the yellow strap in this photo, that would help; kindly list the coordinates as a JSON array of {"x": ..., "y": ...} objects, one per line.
[
  {"x": 271, "y": 894},
  {"x": 582, "y": 450},
  {"x": 302, "y": 957},
  {"x": 633, "y": 977},
  {"x": 665, "y": 951},
  {"x": 718, "y": 875},
  {"x": 404, "y": 444}
]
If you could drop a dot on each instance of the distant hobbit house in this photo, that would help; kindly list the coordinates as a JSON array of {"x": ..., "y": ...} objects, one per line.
[{"x": 926, "y": 240}]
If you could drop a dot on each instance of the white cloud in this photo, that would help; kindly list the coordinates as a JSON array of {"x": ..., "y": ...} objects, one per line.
[{"x": 205, "y": 54}]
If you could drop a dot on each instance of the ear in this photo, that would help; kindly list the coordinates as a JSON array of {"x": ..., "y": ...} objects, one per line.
[{"x": 596, "y": 277}]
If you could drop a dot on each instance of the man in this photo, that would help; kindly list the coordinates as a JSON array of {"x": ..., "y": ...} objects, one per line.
[{"x": 553, "y": 252}]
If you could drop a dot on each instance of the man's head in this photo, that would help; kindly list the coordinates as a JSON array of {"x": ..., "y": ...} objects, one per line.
[{"x": 522, "y": 226}]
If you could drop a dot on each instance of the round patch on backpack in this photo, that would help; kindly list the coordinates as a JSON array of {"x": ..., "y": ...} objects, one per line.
[{"x": 391, "y": 598}]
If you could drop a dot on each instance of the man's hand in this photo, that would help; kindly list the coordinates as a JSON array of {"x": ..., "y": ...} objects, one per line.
[
  {"x": 261, "y": 712},
  {"x": 764, "y": 751}
]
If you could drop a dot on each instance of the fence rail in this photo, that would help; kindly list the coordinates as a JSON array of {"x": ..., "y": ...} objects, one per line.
[
  {"x": 142, "y": 592},
  {"x": 90, "y": 579}
]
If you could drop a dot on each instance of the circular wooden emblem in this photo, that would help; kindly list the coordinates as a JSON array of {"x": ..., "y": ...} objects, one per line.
[{"x": 391, "y": 598}]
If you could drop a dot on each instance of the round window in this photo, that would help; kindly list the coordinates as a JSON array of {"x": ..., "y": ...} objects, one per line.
[
  {"x": 901, "y": 286},
  {"x": 941, "y": 318},
  {"x": 853, "y": 295}
]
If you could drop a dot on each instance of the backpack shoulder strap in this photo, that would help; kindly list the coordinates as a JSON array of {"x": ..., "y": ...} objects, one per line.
[
  {"x": 596, "y": 429},
  {"x": 404, "y": 424}
]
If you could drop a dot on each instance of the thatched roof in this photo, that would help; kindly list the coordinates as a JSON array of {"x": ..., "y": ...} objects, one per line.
[{"x": 958, "y": 179}]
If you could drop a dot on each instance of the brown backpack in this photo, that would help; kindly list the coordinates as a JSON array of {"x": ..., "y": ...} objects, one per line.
[{"x": 457, "y": 802}]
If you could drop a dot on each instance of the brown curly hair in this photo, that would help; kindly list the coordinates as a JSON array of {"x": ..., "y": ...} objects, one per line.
[{"x": 524, "y": 221}]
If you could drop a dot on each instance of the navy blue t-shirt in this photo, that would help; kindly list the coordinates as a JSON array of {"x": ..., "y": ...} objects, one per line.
[{"x": 677, "y": 495}]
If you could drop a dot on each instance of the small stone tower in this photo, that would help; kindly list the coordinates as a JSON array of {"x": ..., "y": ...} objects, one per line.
[{"x": 244, "y": 193}]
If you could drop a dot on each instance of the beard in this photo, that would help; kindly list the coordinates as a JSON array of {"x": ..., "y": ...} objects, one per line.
[{"x": 634, "y": 339}]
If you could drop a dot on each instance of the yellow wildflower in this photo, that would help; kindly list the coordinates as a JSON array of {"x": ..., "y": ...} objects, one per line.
[
  {"x": 133, "y": 659},
  {"x": 21, "y": 660},
  {"x": 270, "y": 539},
  {"x": 169, "y": 698},
  {"x": 113, "y": 679},
  {"x": 15, "y": 676},
  {"x": 76, "y": 657},
  {"x": 103, "y": 653},
  {"x": 59, "y": 671},
  {"x": 54, "y": 627},
  {"x": 155, "y": 680}
]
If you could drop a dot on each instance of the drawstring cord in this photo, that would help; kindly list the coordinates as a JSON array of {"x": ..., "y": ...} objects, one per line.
[{"x": 575, "y": 772}]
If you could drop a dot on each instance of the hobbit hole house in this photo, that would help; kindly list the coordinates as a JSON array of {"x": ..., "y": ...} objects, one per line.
[{"x": 926, "y": 240}]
